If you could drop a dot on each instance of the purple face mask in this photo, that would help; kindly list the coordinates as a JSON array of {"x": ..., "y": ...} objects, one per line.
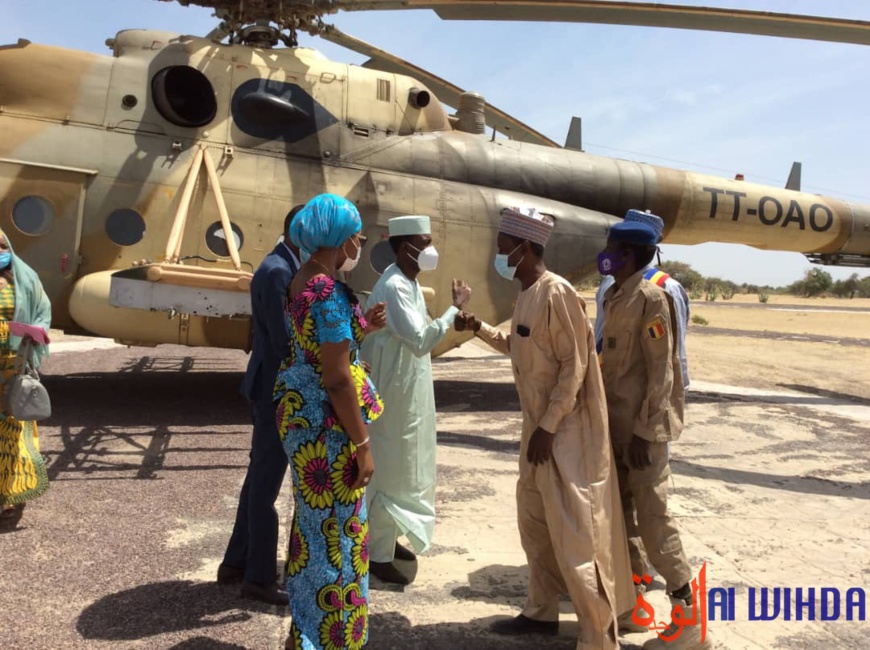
[{"x": 610, "y": 262}]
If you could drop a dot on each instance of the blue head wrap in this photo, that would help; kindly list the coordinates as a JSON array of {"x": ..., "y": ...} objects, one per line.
[{"x": 326, "y": 221}]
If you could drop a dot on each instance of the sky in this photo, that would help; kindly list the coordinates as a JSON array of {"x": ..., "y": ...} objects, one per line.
[{"x": 714, "y": 103}]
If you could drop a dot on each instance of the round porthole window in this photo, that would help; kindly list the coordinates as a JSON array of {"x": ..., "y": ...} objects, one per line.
[
  {"x": 125, "y": 227},
  {"x": 33, "y": 215},
  {"x": 382, "y": 256},
  {"x": 216, "y": 239}
]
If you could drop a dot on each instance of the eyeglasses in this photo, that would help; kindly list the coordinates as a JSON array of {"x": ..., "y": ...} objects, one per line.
[{"x": 362, "y": 239}]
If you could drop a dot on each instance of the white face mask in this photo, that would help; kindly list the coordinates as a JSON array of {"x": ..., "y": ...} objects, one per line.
[
  {"x": 350, "y": 264},
  {"x": 427, "y": 260},
  {"x": 501, "y": 264}
]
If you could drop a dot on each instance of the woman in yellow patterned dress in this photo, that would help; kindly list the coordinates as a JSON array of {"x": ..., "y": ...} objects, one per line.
[{"x": 22, "y": 470}]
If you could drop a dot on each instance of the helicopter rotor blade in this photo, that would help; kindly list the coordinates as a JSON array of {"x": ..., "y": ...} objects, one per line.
[
  {"x": 642, "y": 14},
  {"x": 445, "y": 91}
]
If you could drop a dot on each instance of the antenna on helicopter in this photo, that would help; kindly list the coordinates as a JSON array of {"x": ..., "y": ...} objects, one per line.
[
  {"x": 574, "y": 139},
  {"x": 261, "y": 34},
  {"x": 794, "y": 178}
]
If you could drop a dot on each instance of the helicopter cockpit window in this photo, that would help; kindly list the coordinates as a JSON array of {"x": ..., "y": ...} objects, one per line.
[
  {"x": 125, "y": 227},
  {"x": 33, "y": 215},
  {"x": 274, "y": 110},
  {"x": 216, "y": 239},
  {"x": 184, "y": 96},
  {"x": 382, "y": 256}
]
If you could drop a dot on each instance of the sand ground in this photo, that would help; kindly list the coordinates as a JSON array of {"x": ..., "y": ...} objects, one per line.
[
  {"x": 148, "y": 447},
  {"x": 784, "y": 344}
]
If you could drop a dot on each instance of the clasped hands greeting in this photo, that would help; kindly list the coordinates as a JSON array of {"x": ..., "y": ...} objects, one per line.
[
  {"x": 464, "y": 320},
  {"x": 376, "y": 315}
]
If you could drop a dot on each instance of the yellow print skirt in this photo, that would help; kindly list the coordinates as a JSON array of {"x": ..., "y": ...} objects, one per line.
[{"x": 22, "y": 469}]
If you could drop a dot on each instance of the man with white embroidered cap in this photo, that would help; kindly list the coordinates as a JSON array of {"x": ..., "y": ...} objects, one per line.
[
  {"x": 401, "y": 495},
  {"x": 568, "y": 509},
  {"x": 645, "y": 401},
  {"x": 671, "y": 286}
]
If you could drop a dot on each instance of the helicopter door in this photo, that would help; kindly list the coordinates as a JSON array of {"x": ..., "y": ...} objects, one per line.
[{"x": 41, "y": 213}]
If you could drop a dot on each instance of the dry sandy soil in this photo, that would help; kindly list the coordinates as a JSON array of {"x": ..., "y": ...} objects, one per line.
[
  {"x": 147, "y": 450},
  {"x": 819, "y": 344}
]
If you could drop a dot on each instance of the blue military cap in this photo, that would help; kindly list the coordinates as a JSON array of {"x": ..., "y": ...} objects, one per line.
[{"x": 634, "y": 232}]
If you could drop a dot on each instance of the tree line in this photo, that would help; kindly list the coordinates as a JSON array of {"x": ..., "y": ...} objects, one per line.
[{"x": 816, "y": 282}]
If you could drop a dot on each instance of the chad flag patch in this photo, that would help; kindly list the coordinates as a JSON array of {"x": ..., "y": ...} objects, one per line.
[{"x": 656, "y": 329}]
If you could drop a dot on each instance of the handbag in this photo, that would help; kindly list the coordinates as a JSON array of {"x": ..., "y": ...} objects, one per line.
[{"x": 26, "y": 397}]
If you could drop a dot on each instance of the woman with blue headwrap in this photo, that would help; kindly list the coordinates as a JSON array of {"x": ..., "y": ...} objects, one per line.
[
  {"x": 325, "y": 402},
  {"x": 22, "y": 469}
]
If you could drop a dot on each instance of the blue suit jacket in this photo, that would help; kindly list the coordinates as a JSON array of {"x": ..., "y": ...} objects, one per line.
[{"x": 271, "y": 337}]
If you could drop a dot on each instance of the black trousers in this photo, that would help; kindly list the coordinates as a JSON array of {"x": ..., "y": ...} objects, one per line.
[{"x": 254, "y": 542}]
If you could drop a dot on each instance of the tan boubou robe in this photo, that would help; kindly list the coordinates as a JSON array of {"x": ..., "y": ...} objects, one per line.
[{"x": 568, "y": 509}]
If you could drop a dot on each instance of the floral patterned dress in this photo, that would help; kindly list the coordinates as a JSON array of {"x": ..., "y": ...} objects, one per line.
[{"x": 327, "y": 561}]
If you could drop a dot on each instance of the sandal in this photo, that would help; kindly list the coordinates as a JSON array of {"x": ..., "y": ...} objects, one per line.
[{"x": 10, "y": 517}]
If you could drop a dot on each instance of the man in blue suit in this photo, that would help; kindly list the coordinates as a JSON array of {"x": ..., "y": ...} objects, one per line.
[{"x": 251, "y": 553}]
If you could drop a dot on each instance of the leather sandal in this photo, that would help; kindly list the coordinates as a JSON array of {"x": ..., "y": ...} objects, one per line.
[
  {"x": 402, "y": 553},
  {"x": 10, "y": 517},
  {"x": 387, "y": 572},
  {"x": 520, "y": 625}
]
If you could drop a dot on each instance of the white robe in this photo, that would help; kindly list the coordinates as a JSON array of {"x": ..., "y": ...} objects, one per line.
[{"x": 401, "y": 495}]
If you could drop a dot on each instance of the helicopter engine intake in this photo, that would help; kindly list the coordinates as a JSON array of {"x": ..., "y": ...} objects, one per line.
[{"x": 471, "y": 114}]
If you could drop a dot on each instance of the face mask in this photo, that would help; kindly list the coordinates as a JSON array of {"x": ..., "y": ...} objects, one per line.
[
  {"x": 427, "y": 259},
  {"x": 350, "y": 264},
  {"x": 610, "y": 262},
  {"x": 501, "y": 264},
  {"x": 5, "y": 259}
]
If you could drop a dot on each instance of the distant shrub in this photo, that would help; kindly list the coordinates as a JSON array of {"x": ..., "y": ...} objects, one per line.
[
  {"x": 815, "y": 283},
  {"x": 763, "y": 296},
  {"x": 846, "y": 288},
  {"x": 684, "y": 274},
  {"x": 700, "y": 320}
]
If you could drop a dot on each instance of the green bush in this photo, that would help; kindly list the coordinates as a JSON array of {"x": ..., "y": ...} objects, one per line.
[
  {"x": 684, "y": 274},
  {"x": 700, "y": 320},
  {"x": 763, "y": 296},
  {"x": 815, "y": 283}
]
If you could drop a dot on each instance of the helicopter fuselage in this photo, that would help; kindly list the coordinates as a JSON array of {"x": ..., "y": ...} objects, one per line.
[{"x": 94, "y": 151}]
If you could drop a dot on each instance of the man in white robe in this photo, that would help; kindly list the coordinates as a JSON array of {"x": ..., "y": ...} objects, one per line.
[{"x": 401, "y": 495}]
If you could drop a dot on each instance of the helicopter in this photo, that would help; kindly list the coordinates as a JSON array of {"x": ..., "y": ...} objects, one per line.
[{"x": 146, "y": 186}]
